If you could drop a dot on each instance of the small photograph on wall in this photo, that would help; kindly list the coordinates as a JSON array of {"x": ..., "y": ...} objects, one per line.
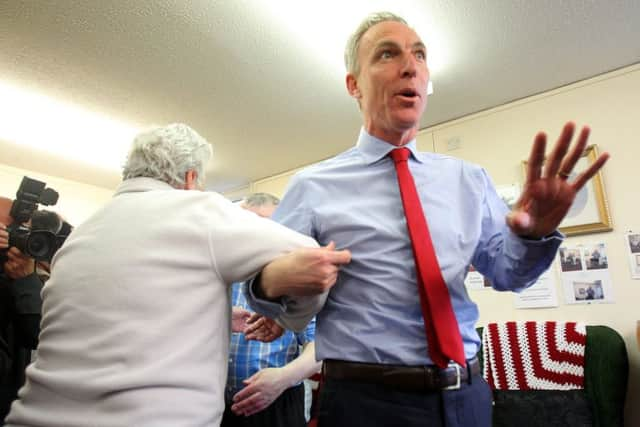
[
  {"x": 588, "y": 287},
  {"x": 570, "y": 258},
  {"x": 636, "y": 266},
  {"x": 595, "y": 257},
  {"x": 632, "y": 243},
  {"x": 487, "y": 283},
  {"x": 583, "y": 291}
]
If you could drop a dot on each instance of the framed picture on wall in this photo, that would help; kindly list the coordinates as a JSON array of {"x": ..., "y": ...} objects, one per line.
[{"x": 590, "y": 210}]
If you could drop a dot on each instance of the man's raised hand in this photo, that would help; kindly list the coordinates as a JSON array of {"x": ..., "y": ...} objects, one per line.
[{"x": 548, "y": 194}]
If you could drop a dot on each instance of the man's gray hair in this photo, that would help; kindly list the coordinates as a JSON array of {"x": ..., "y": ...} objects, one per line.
[
  {"x": 260, "y": 199},
  {"x": 167, "y": 153},
  {"x": 351, "y": 50}
]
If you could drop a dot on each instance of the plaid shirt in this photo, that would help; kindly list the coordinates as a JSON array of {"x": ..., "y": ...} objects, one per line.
[{"x": 248, "y": 357}]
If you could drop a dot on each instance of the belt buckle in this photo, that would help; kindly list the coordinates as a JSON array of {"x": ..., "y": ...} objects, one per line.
[{"x": 455, "y": 386}]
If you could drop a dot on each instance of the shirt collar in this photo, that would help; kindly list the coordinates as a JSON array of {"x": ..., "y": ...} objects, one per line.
[
  {"x": 374, "y": 149},
  {"x": 135, "y": 185}
]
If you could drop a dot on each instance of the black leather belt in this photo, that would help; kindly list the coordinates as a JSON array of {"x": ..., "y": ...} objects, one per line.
[{"x": 403, "y": 378}]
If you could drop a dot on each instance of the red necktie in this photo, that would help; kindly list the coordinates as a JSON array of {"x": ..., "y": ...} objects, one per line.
[{"x": 441, "y": 326}]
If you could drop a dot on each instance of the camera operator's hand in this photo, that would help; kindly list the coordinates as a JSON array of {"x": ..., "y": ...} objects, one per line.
[
  {"x": 4, "y": 237},
  {"x": 18, "y": 264}
]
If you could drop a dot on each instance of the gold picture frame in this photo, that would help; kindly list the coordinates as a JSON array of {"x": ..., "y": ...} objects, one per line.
[{"x": 590, "y": 210}]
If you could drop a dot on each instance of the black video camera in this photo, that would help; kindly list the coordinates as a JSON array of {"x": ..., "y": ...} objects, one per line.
[
  {"x": 42, "y": 239},
  {"x": 47, "y": 233}
]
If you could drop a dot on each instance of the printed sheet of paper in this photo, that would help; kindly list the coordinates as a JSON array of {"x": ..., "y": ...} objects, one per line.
[
  {"x": 541, "y": 294},
  {"x": 476, "y": 281}
]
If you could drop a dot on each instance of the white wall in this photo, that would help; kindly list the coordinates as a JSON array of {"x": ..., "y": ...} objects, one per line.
[{"x": 499, "y": 139}]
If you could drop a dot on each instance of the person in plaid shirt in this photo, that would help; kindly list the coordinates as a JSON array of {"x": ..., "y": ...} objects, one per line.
[{"x": 264, "y": 382}]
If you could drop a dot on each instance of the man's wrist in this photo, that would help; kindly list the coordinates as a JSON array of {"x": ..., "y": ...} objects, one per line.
[{"x": 259, "y": 288}]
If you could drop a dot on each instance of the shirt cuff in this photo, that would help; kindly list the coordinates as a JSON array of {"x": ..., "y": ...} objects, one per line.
[
  {"x": 268, "y": 308},
  {"x": 533, "y": 254},
  {"x": 524, "y": 244}
]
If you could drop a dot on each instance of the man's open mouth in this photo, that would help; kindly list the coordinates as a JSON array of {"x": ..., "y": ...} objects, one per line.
[{"x": 408, "y": 93}]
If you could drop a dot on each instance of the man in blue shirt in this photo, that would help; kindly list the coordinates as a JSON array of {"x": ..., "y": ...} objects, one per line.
[
  {"x": 370, "y": 332},
  {"x": 264, "y": 382}
]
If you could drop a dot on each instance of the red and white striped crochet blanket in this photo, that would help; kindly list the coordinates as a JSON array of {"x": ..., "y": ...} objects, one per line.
[{"x": 534, "y": 355}]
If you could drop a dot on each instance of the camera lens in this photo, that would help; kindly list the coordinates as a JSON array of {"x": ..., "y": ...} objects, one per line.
[{"x": 39, "y": 245}]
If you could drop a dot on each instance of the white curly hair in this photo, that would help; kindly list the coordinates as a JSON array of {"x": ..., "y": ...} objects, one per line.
[{"x": 167, "y": 153}]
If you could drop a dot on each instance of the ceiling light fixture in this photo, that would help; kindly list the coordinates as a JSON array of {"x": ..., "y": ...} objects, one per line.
[{"x": 43, "y": 123}]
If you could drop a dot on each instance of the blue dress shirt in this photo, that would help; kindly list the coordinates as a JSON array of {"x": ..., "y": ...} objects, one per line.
[{"x": 372, "y": 314}]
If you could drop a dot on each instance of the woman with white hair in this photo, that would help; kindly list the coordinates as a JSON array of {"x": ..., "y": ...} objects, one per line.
[{"x": 136, "y": 314}]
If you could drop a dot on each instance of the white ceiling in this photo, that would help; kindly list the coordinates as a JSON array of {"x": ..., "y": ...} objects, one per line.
[{"x": 268, "y": 99}]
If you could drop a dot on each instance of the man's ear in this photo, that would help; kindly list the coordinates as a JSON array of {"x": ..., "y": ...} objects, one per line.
[
  {"x": 352, "y": 86},
  {"x": 190, "y": 180}
]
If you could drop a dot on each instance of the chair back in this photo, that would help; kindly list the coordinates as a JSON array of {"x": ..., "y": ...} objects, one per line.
[{"x": 600, "y": 403}]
